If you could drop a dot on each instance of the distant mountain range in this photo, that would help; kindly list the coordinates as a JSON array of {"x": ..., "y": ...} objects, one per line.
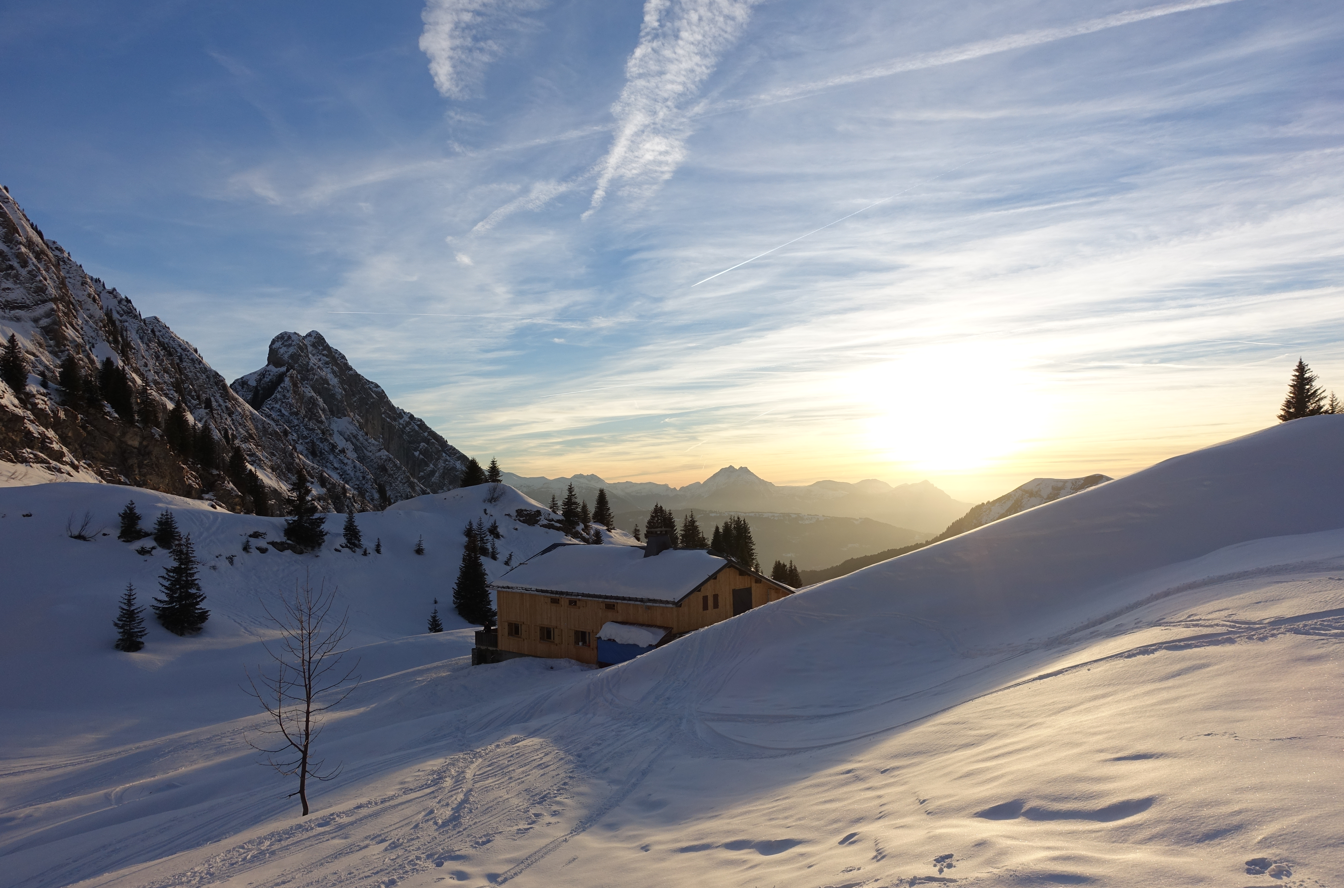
[
  {"x": 1036, "y": 492},
  {"x": 306, "y": 408},
  {"x": 919, "y": 507}
]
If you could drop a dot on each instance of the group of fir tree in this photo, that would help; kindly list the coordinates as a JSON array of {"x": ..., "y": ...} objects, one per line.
[
  {"x": 733, "y": 539},
  {"x": 482, "y": 539},
  {"x": 786, "y": 573}
]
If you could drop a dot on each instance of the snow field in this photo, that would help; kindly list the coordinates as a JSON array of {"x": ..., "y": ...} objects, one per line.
[{"x": 1137, "y": 685}]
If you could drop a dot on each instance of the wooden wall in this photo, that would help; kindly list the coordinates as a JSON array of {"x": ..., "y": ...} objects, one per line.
[{"x": 564, "y": 615}]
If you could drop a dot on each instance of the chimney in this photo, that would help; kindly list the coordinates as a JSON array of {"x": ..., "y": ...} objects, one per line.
[{"x": 659, "y": 540}]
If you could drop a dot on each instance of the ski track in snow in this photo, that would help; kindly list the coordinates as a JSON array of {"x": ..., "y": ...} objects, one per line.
[{"x": 1175, "y": 724}]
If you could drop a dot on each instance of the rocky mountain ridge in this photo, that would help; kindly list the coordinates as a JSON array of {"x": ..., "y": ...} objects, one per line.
[{"x": 177, "y": 425}]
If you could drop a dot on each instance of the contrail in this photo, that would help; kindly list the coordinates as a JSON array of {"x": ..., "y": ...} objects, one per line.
[{"x": 836, "y": 222}]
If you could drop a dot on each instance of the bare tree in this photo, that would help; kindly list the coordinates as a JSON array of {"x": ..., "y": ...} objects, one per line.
[{"x": 304, "y": 681}]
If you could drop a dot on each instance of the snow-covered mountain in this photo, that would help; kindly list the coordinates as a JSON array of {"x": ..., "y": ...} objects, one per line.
[
  {"x": 341, "y": 428},
  {"x": 1131, "y": 686},
  {"x": 347, "y": 424},
  {"x": 1035, "y": 492},
  {"x": 919, "y": 507}
]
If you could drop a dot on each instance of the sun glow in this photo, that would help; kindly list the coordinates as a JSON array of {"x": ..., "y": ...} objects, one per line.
[{"x": 950, "y": 408}]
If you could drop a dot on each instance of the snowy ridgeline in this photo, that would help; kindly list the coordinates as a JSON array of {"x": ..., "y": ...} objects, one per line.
[{"x": 1135, "y": 685}]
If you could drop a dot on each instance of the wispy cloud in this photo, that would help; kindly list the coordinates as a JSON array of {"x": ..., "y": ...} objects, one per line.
[
  {"x": 680, "y": 44},
  {"x": 462, "y": 37}
]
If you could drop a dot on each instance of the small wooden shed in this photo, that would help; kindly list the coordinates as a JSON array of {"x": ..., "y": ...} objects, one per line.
[{"x": 607, "y": 604}]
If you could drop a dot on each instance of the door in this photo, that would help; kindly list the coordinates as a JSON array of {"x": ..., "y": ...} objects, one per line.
[{"x": 741, "y": 601}]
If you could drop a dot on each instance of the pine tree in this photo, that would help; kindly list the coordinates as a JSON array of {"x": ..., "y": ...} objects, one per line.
[
  {"x": 634, "y": 532},
  {"x": 662, "y": 521},
  {"x": 1305, "y": 397},
  {"x": 474, "y": 474},
  {"x": 178, "y": 430},
  {"x": 435, "y": 624},
  {"x": 569, "y": 511},
  {"x": 71, "y": 380},
  {"x": 130, "y": 625},
  {"x": 114, "y": 386},
  {"x": 602, "y": 510},
  {"x": 1334, "y": 405},
  {"x": 692, "y": 537},
  {"x": 179, "y": 610},
  {"x": 420, "y": 545},
  {"x": 494, "y": 551},
  {"x": 378, "y": 546},
  {"x": 494, "y": 531},
  {"x": 493, "y": 474},
  {"x": 165, "y": 532},
  {"x": 353, "y": 538},
  {"x": 555, "y": 505},
  {"x": 716, "y": 540},
  {"x": 204, "y": 448},
  {"x": 256, "y": 492},
  {"x": 795, "y": 576},
  {"x": 779, "y": 572},
  {"x": 585, "y": 517},
  {"x": 148, "y": 411},
  {"x": 14, "y": 365},
  {"x": 471, "y": 592},
  {"x": 735, "y": 541},
  {"x": 305, "y": 529},
  {"x": 130, "y": 524},
  {"x": 236, "y": 468}
]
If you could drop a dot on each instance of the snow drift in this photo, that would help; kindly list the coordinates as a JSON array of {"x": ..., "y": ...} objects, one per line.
[{"x": 1135, "y": 685}]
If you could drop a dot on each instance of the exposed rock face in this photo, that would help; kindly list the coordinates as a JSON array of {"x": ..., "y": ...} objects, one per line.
[
  {"x": 58, "y": 312},
  {"x": 347, "y": 424}
]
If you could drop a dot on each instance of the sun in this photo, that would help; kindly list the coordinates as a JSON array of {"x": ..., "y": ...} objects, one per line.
[{"x": 950, "y": 408}]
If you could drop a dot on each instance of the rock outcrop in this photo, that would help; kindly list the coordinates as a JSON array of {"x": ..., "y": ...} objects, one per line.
[
  {"x": 347, "y": 423},
  {"x": 179, "y": 426}
]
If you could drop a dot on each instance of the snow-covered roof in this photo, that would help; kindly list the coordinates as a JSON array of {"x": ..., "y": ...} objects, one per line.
[{"x": 614, "y": 572}]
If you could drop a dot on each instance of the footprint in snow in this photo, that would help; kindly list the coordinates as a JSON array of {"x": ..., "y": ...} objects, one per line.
[{"x": 1264, "y": 866}]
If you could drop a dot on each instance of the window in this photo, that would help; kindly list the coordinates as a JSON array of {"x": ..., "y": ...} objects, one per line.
[
  {"x": 704, "y": 602},
  {"x": 573, "y": 602},
  {"x": 555, "y": 601},
  {"x": 547, "y": 633},
  {"x": 582, "y": 638},
  {"x": 716, "y": 601},
  {"x": 515, "y": 630},
  {"x": 610, "y": 606}
]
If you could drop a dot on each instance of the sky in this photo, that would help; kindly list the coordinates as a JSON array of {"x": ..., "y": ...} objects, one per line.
[{"x": 973, "y": 243}]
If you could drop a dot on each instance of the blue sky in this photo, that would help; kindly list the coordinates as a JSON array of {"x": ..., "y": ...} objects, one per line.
[{"x": 996, "y": 240}]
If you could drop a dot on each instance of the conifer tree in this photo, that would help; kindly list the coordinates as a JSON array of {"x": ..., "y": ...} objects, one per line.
[
  {"x": 179, "y": 610},
  {"x": 494, "y": 551},
  {"x": 735, "y": 541},
  {"x": 305, "y": 528},
  {"x": 256, "y": 492},
  {"x": 795, "y": 576},
  {"x": 473, "y": 474},
  {"x": 494, "y": 531},
  {"x": 130, "y": 625},
  {"x": 148, "y": 411},
  {"x": 634, "y": 532},
  {"x": 130, "y": 524},
  {"x": 1334, "y": 405},
  {"x": 435, "y": 624},
  {"x": 178, "y": 431},
  {"x": 378, "y": 546},
  {"x": 662, "y": 521},
  {"x": 114, "y": 386},
  {"x": 71, "y": 380},
  {"x": 779, "y": 572},
  {"x": 236, "y": 468},
  {"x": 353, "y": 538},
  {"x": 165, "y": 532},
  {"x": 585, "y": 517},
  {"x": 203, "y": 447},
  {"x": 420, "y": 545},
  {"x": 569, "y": 511},
  {"x": 716, "y": 541},
  {"x": 1305, "y": 397},
  {"x": 692, "y": 537},
  {"x": 555, "y": 505},
  {"x": 602, "y": 510},
  {"x": 493, "y": 474},
  {"x": 14, "y": 365},
  {"x": 471, "y": 592}
]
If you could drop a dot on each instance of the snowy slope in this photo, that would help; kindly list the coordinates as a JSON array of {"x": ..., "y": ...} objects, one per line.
[
  {"x": 1035, "y": 492},
  {"x": 1135, "y": 685}
]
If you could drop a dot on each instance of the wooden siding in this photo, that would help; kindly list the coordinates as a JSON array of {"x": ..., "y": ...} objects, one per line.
[{"x": 534, "y": 611}]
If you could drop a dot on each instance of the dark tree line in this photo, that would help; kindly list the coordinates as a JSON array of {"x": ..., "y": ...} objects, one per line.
[{"x": 786, "y": 573}]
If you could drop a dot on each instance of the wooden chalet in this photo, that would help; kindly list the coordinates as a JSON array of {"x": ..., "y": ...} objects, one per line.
[{"x": 608, "y": 604}]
